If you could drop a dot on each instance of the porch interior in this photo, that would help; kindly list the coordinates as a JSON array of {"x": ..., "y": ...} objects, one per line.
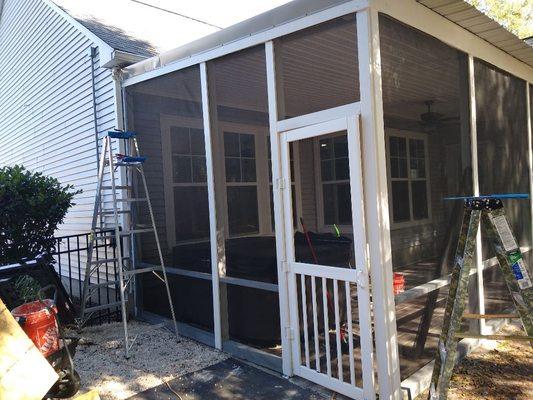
[{"x": 427, "y": 136}]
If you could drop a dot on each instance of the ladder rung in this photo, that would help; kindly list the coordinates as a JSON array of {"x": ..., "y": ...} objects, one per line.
[
  {"x": 112, "y": 212},
  {"x": 103, "y": 261},
  {"x": 103, "y": 284},
  {"x": 131, "y": 200},
  {"x": 466, "y": 335},
  {"x": 121, "y": 134},
  {"x": 117, "y": 187},
  {"x": 489, "y": 316},
  {"x": 142, "y": 270},
  {"x": 127, "y": 233},
  {"x": 102, "y": 307}
]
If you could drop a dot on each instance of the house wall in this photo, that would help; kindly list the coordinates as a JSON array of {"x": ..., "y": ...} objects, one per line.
[{"x": 46, "y": 101}]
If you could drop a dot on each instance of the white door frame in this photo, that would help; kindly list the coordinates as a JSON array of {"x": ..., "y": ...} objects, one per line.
[{"x": 322, "y": 124}]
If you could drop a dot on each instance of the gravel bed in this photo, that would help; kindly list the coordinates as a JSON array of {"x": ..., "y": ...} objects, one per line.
[{"x": 156, "y": 357}]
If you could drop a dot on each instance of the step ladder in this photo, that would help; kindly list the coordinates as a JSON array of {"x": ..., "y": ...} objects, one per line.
[
  {"x": 490, "y": 212},
  {"x": 127, "y": 271}
]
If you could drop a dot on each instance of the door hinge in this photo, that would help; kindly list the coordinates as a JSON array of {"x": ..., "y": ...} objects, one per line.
[
  {"x": 289, "y": 333},
  {"x": 285, "y": 267},
  {"x": 360, "y": 277},
  {"x": 281, "y": 183}
]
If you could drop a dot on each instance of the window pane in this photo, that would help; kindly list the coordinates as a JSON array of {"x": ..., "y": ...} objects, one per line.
[
  {"x": 420, "y": 204},
  {"x": 326, "y": 149},
  {"x": 248, "y": 170},
  {"x": 233, "y": 170},
  {"x": 242, "y": 210},
  {"x": 340, "y": 145},
  {"x": 247, "y": 145},
  {"x": 327, "y": 170},
  {"x": 400, "y": 201},
  {"x": 181, "y": 166},
  {"x": 417, "y": 158},
  {"x": 231, "y": 145},
  {"x": 342, "y": 171},
  {"x": 199, "y": 169},
  {"x": 319, "y": 67},
  {"x": 179, "y": 138},
  {"x": 398, "y": 157},
  {"x": 197, "y": 142}
]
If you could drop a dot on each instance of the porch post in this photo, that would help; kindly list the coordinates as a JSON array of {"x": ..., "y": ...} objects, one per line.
[
  {"x": 283, "y": 290},
  {"x": 475, "y": 188},
  {"x": 530, "y": 155},
  {"x": 216, "y": 226},
  {"x": 376, "y": 204}
]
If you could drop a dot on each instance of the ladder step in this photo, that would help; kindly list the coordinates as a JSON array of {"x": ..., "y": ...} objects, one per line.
[
  {"x": 102, "y": 307},
  {"x": 466, "y": 335},
  {"x": 117, "y": 187},
  {"x": 142, "y": 271},
  {"x": 127, "y": 233},
  {"x": 112, "y": 212},
  {"x": 132, "y": 200},
  {"x": 103, "y": 284},
  {"x": 103, "y": 261}
]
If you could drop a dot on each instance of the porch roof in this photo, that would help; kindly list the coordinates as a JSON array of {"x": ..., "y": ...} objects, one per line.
[{"x": 457, "y": 11}]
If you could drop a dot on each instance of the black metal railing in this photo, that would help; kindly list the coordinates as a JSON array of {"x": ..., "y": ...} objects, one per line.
[{"x": 71, "y": 255}]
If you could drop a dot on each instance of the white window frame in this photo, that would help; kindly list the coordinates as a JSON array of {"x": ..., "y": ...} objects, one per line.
[
  {"x": 166, "y": 123},
  {"x": 322, "y": 226},
  {"x": 408, "y": 135}
]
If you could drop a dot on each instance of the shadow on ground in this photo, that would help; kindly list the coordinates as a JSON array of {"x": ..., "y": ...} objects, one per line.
[{"x": 229, "y": 379}]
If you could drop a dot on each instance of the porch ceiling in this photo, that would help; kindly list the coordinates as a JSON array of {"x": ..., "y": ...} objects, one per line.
[{"x": 471, "y": 19}]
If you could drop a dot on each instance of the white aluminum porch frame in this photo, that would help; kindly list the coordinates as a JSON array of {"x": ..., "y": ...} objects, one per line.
[{"x": 375, "y": 185}]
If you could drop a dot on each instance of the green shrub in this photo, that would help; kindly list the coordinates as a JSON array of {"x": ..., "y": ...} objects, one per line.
[{"x": 31, "y": 207}]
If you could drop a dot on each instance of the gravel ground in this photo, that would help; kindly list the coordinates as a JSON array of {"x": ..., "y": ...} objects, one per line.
[
  {"x": 499, "y": 370},
  {"x": 155, "y": 359}
]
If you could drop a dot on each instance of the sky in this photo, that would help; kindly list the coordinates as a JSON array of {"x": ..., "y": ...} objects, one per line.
[{"x": 166, "y": 30}]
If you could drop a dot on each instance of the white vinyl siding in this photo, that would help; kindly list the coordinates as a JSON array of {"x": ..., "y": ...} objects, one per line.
[{"x": 46, "y": 101}]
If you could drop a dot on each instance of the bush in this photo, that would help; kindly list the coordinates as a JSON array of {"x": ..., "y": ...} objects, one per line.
[{"x": 31, "y": 207}]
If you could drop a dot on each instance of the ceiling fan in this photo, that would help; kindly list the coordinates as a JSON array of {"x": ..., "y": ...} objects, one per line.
[{"x": 431, "y": 120}]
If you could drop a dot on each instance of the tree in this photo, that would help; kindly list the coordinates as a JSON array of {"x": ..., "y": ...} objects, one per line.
[
  {"x": 515, "y": 15},
  {"x": 31, "y": 207}
]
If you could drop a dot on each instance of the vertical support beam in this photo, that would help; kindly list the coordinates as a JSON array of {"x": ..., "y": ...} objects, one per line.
[
  {"x": 475, "y": 188},
  {"x": 530, "y": 155},
  {"x": 279, "y": 221},
  {"x": 216, "y": 224},
  {"x": 376, "y": 204}
]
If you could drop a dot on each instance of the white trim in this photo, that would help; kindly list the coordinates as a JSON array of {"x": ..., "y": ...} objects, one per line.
[
  {"x": 376, "y": 205},
  {"x": 319, "y": 116},
  {"x": 106, "y": 51},
  {"x": 216, "y": 264},
  {"x": 530, "y": 155},
  {"x": 401, "y": 133},
  {"x": 426, "y": 20},
  {"x": 318, "y": 129},
  {"x": 475, "y": 187},
  {"x": 284, "y": 316},
  {"x": 139, "y": 74}
]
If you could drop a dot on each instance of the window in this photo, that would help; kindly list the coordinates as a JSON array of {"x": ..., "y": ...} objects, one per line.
[
  {"x": 408, "y": 177},
  {"x": 191, "y": 209},
  {"x": 241, "y": 182},
  {"x": 335, "y": 180}
]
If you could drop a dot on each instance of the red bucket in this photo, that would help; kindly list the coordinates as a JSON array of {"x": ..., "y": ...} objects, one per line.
[
  {"x": 398, "y": 283},
  {"x": 39, "y": 323}
]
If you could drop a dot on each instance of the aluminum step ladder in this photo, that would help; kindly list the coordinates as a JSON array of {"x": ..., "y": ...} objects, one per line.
[
  {"x": 490, "y": 212},
  {"x": 127, "y": 271}
]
